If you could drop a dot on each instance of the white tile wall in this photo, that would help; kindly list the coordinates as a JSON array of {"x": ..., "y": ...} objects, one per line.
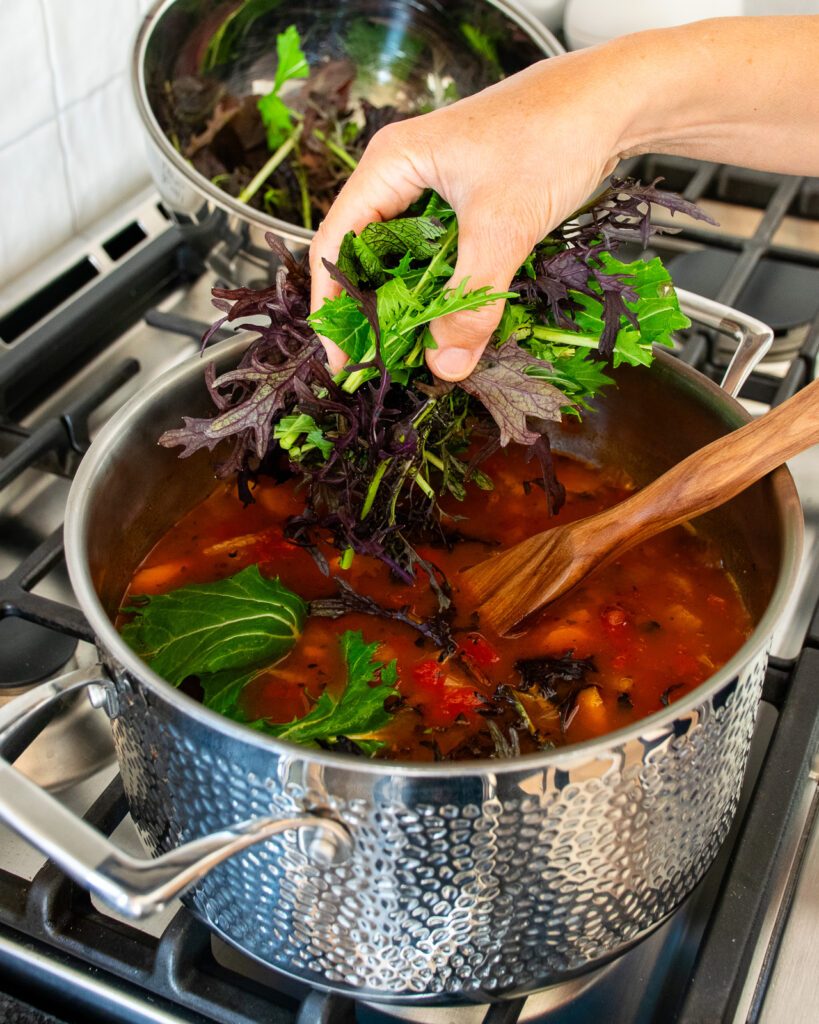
[
  {"x": 25, "y": 73},
  {"x": 35, "y": 209},
  {"x": 104, "y": 147},
  {"x": 71, "y": 146},
  {"x": 90, "y": 41}
]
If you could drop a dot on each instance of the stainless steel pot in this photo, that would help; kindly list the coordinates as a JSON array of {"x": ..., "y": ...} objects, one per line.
[
  {"x": 171, "y": 31},
  {"x": 409, "y": 882}
]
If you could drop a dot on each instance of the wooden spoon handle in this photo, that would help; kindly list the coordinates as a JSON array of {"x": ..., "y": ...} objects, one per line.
[{"x": 715, "y": 474}]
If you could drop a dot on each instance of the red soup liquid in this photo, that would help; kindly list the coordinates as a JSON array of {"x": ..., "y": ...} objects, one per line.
[{"x": 654, "y": 624}]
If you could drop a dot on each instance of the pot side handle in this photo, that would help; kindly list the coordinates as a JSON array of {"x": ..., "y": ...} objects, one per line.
[
  {"x": 753, "y": 337},
  {"x": 135, "y": 887}
]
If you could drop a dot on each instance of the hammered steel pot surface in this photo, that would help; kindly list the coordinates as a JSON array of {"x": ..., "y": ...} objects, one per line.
[
  {"x": 475, "y": 883},
  {"x": 472, "y": 880}
]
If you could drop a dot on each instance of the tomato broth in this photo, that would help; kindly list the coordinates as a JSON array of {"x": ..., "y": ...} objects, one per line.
[{"x": 634, "y": 636}]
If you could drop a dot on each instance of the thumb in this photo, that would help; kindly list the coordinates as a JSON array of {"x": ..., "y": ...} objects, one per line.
[{"x": 485, "y": 257}]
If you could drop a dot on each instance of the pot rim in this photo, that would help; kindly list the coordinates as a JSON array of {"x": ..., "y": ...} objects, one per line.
[
  {"x": 111, "y": 641},
  {"x": 537, "y": 32}
]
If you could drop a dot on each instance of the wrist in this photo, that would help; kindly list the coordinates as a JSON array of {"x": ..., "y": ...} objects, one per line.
[{"x": 673, "y": 78}]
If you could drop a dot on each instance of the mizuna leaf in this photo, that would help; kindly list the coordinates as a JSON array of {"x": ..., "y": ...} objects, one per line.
[
  {"x": 360, "y": 708},
  {"x": 653, "y": 306},
  {"x": 451, "y": 300},
  {"x": 244, "y": 622},
  {"x": 578, "y": 375}
]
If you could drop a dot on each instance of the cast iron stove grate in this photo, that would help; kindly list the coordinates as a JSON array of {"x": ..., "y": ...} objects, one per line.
[{"x": 66, "y": 957}]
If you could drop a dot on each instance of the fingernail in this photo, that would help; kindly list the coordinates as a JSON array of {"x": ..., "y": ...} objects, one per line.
[
  {"x": 453, "y": 363},
  {"x": 335, "y": 356}
]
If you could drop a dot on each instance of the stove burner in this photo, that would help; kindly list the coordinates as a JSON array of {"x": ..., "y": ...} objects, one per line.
[
  {"x": 784, "y": 295},
  {"x": 30, "y": 653}
]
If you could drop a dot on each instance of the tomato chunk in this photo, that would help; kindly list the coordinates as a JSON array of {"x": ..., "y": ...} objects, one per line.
[
  {"x": 442, "y": 695},
  {"x": 478, "y": 649}
]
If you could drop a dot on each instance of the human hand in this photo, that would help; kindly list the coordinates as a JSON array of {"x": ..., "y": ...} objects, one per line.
[{"x": 513, "y": 161}]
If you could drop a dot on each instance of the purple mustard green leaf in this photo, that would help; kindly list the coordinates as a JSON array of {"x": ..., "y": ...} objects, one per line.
[{"x": 511, "y": 396}]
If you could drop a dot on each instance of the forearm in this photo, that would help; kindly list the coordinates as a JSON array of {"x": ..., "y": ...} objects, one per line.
[
  {"x": 518, "y": 158},
  {"x": 732, "y": 90}
]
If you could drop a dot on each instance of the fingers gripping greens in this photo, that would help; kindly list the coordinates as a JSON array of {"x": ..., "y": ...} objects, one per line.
[{"x": 379, "y": 443}]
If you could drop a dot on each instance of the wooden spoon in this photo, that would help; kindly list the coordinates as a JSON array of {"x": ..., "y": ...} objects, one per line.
[{"x": 514, "y": 583}]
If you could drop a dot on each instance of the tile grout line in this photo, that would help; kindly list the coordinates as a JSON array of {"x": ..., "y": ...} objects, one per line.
[
  {"x": 59, "y": 118},
  {"x": 62, "y": 110}
]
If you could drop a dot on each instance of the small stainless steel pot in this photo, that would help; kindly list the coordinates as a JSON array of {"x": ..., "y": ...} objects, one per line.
[
  {"x": 410, "y": 882},
  {"x": 172, "y": 32}
]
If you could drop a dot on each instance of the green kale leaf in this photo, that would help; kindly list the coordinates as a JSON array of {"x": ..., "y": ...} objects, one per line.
[
  {"x": 234, "y": 625},
  {"x": 221, "y": 690}
]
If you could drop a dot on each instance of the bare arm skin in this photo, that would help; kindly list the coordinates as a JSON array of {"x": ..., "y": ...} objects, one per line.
[{"x": 518, "y": 158}]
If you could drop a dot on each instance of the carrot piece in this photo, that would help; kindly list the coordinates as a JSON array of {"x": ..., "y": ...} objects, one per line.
[
  {"x": 247, "y": 540},
  {"x": 591, "y": 710},
  {"x": 155, "y": 578}
]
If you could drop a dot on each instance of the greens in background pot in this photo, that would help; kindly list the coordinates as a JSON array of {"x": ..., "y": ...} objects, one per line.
[{"x": 287, "y": 151}]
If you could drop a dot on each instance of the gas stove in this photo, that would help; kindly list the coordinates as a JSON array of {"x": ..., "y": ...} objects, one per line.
[{"x": 134, "y": 303}]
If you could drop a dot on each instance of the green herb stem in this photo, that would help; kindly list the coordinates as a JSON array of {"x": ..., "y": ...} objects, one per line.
[
  {"x": 355, "y": 380},
  {"x": 306, "y": 206},
  {"x": 336, "y": 150},
  {"x": 346, "y": 559},
  {"x": 571, "y": 338},
  {"x": 423, "y": 483},
  {"x": 424, "y": 412},
  {"x": 281, "y": 153},
  {"x": 372, "y": 490},
  {"x": 435, "y": 461},
  {"x": 397, "y": 491},
  {"x": 448, "y": 243}
]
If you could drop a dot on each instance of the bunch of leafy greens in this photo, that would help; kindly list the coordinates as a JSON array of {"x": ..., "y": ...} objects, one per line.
[
  {"x": 224, "y": 634},
  {"x": 377, "y": 444}
]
